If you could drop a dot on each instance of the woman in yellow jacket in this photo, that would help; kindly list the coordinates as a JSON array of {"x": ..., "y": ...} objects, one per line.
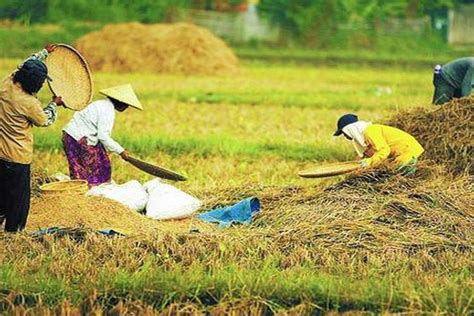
[{"x": 377, "y": 143}]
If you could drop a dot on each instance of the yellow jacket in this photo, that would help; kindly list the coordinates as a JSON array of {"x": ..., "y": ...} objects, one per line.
[{"x": 388, "y": 141}]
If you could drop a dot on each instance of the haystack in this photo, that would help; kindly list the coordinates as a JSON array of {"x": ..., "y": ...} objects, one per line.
[
  {"x": 446, "y": 133},
  {"x": 160, "y": 48}
]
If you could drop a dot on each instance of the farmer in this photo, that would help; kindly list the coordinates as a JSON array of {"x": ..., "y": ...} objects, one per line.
[
  {"x": 376, "y": 143},
  {"x": 19, "y": 111},
  {"x": 453, "y": 80},
  {"x": 88, "y": 135}
]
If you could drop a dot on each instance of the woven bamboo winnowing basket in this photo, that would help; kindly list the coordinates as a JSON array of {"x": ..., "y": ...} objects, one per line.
[
  {"x": 71, "y": 77},
  {"x": 329, "y": 170},
  {"x": 155, "y": 170},
  {"x": 65, "y": 187}
]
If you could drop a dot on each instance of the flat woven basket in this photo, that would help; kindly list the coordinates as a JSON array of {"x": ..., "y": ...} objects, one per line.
[
  {"x": 65, "y": 187},
  {"x": 71, "y": 77},
  {"x": 329, "y": 170},
  {"x": 155, "y": 170}
]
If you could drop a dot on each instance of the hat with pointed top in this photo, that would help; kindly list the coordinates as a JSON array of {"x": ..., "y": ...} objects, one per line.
[{"x": 123, "y": 93}]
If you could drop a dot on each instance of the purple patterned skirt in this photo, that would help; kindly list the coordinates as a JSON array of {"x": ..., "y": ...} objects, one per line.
[{"x": 86, "y": 162}]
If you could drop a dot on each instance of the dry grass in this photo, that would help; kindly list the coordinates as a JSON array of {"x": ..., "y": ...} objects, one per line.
[{"x": 446, "y": 133}]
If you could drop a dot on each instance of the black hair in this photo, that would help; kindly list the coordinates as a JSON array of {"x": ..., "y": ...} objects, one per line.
[
  {"x": 31, "y": 76},
  {"x": 119, "y": 105}
]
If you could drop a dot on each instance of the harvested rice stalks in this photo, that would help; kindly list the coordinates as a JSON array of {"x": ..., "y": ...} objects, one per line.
[
  {"x": 446, "y": 132},
  {"x": 160, "y": 48}
]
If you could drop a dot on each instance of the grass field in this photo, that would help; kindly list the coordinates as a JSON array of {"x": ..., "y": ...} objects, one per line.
[
  {"x": 285, "y": 114},
  {"x": 236, "y": 136}
]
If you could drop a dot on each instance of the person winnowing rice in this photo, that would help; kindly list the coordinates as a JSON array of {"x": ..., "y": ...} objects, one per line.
[
  {"x": 87, "y": 137},
  {"x": 376, "y": 143},
  {"x": 20, "y": 110}
]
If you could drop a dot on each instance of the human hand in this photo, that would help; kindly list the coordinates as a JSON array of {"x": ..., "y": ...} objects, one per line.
[
  {"x": 125, "y": 155},
  {"x": 50, "y": 47},
  {"x": 369, "y": 152},
  {"x": 58, "y": 100}
]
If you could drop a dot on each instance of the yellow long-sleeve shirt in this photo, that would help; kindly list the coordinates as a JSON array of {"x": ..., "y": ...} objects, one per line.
[{"x": 388, "y": 141}]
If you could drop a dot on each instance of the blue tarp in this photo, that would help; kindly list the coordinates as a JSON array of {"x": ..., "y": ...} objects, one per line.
[{"x": 241, "y": 212}]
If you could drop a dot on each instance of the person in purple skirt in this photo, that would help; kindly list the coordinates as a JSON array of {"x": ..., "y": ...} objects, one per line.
[{"x": 87, "y": 137}]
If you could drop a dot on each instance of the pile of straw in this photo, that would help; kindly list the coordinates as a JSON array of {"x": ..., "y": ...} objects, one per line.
[
  {"x": 446, "y": 133},
  {"x": 374, "y": 213},
  {"x": 161, "y": 48}
]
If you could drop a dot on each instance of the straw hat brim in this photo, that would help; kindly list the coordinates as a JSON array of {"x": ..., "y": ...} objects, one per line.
[
  {"x": 70, "y": 77},
  {"x": 124, "y": 94}
]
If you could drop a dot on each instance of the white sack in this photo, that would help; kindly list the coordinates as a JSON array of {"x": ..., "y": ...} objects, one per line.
[
  {"x": 167, "y": 202},
  {"x": 130, "y": 194}
]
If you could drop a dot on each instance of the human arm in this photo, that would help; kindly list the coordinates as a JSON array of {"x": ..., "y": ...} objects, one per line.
[
  {"x": 43, "y": 117},
  {"x": 42, "y": 54},
  {"x": 105, "y": 124},
  {"x": 125, "y": 156},
  {"x": 467, "y": 83},
  {"x": 381, "y": 150}
]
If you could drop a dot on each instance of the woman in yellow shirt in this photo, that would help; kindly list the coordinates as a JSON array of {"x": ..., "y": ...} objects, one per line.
[{"x": 376, "y": 143}]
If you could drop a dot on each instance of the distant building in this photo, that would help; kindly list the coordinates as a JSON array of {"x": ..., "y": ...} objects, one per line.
[
  {"x": 461, "y": 25},
  {"x": 237, "y": 23}
]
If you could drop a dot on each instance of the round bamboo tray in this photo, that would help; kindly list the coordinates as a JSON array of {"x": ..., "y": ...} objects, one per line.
[
  {"x": 71, "y": 78},
  {"x": 65, "y": 187},
  {"x": 329, "y": 170}
]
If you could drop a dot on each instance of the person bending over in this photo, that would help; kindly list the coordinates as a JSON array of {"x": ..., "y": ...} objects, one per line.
[
  {"x": 377, "y": 143},
  {"x": 88, "y": 135},
  {"x": 453, "y": 80}
]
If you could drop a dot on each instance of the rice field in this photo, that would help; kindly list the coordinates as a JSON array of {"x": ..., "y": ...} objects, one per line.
[
  {"x": 278, "y": 115},
  {"x": 357, "y": 247}
]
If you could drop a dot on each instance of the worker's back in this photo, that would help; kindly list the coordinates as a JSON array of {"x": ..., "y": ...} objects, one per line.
[
  {"x": 403, "y": 146},
  {"x": 18, "y": 112}
]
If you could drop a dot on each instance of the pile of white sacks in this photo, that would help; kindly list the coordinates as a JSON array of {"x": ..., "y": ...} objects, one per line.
[{"x": 158, "y": 200}]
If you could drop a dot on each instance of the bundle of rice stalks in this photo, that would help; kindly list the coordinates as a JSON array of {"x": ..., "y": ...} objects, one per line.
[
  {"x": 175, "y": 48},
  {"x": 446, "y": 133}
]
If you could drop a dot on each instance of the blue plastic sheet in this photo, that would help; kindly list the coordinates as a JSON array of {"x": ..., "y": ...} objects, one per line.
[{"x": 241, "y": 213}]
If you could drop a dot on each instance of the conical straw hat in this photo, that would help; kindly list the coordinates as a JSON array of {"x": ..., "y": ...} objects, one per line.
[{"x": 123, "y": 93}]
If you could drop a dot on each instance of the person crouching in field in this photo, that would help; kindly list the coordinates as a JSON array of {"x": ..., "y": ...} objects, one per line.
[
  {"x": 88, "y": 135},
  {"x": 377, "y": 143},
  {"x": 19, "y": 111},
  {"x": 453, "y": 80}
]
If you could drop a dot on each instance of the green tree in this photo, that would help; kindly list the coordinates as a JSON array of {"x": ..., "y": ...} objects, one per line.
[{"x": 318, "y": 22}]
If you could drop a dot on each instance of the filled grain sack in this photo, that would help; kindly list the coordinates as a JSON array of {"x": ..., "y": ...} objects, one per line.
[
  {"x": 168, "y": 202},
  {"x": 131, "y": 194}
]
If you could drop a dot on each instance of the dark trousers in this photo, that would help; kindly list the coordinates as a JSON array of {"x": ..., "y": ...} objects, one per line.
[{"x": 15, "y": 190}]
